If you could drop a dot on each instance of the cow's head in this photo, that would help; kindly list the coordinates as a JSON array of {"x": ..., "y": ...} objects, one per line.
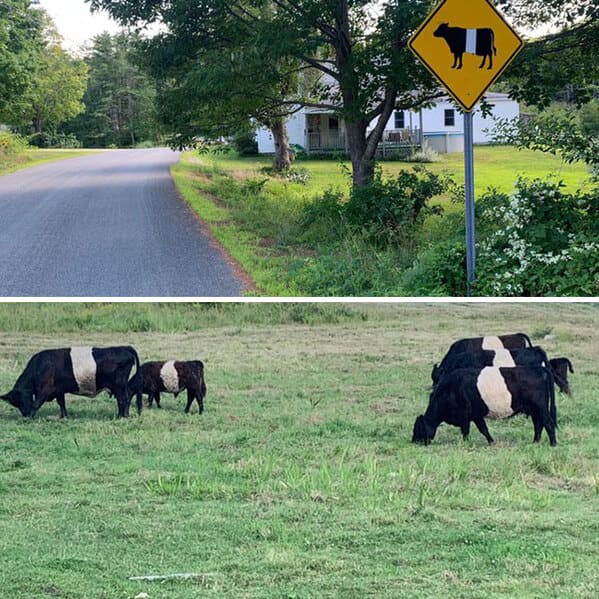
[
  {"x": 22, "y": 400},
  {"x": 422, "y": 433},
  {"x": 441, "y": 30}
]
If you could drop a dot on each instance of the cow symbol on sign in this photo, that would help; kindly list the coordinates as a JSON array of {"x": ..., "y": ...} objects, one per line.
[{"x": 480, "y": 42}]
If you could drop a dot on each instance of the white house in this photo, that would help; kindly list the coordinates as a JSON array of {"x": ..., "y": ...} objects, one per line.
[{"x": 318, "y": 130}]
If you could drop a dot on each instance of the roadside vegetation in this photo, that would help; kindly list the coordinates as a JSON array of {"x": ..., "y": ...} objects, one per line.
[
  {"x": 307, "y": 233},
  {"x": 301, "y": 468},
  {"x": 16, "y": 154}
]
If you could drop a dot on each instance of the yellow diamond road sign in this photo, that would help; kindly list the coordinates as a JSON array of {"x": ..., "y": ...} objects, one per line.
[{"x": 466, "y": 45}]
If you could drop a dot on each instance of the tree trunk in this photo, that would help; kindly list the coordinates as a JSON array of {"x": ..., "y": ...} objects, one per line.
[
  {"x": 361, "y": 159},
  {"x": 282, "y": 158}
]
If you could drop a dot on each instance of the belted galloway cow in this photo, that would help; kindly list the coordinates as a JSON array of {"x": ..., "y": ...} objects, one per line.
[
  {"x": 52, "y": 373},
  {"x": 473, "y": 394},
  {"x": 480, "y": 42},
  {"x": 173, "y": 376},
  {"x": 528, "y": 356}
]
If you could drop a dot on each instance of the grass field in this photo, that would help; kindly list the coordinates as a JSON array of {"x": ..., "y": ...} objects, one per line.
[
  {"x": 300, "y": 479},
  {"x": 12, "y": 163}
]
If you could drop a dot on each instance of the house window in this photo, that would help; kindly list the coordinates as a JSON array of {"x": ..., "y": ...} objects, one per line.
[
  {"x": 450, "y": 117},
  {"x": 333, "y": 123},
  {"x": 400, "y": 122}
]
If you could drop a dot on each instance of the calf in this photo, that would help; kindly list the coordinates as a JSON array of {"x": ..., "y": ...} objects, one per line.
[
  {"x": 52, "y": 373},
  {"x": 473, "y": 394},
  {"x": 528, "y": 356},
  {"x": 170, "y": 377},
  {"x": 475, "y": 344},
  {"x": 480, "y": 42},
  {"x": 560, "y": 367}
]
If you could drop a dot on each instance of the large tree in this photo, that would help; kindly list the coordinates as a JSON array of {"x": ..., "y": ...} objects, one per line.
[
  {"x": 359, "y": 48},
  {"x": 21, "y": 46},
  {"x": 55, "y": 95},
  {"x": 120, "y": 98}
]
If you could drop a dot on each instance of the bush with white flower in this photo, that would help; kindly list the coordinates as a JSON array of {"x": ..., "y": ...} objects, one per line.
[{"x": 539, "y": 241}]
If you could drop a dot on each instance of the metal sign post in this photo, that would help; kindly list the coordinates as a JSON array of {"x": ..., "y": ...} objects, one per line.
[
  {"x": 466, "y": 46},
  {"x": 470, "y": 220}
]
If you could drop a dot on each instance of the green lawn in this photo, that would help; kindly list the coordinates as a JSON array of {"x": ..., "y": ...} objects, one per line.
[
  {"x": 300, "y": 479},
  {"x": 12, "y": 163},
  {"x": 495, "y": 166}
]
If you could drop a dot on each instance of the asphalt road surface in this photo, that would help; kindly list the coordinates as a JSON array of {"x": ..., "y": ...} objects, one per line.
[{"x": 106, "y": 225}]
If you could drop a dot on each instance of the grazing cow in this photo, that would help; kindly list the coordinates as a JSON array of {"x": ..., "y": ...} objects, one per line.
[
  {"x": 475, "y": 344},
  {"x": 170, "y": 377},
  {"x": 560, "y": 367},
  {"x": 470, "y": 41},
  {"x": 471, "y": 395},
  {"x": 52, "y": 373},
  {"x": 528, "y": 356}
]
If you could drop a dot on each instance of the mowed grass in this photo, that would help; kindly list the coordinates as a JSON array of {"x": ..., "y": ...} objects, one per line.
[
  {"x": 494, "y": 166},
  {"x": 300, "y": 479},
  {"x": 12, "y": 163}
]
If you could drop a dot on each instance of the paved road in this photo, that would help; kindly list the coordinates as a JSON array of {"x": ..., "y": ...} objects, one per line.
[{"x": 107, "y": 225}]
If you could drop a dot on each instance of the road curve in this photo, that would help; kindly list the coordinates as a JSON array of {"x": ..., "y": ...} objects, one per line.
[{"x": 106, "y": 225}]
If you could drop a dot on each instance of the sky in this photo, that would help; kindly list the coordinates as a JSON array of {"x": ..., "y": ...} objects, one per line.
[{"x": 75, "y": 22}]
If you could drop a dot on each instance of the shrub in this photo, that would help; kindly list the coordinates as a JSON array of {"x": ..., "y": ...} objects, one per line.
[
  {"x": 11, "y": 144},
  {"x": 425, "y": 154},
  {"x": 393, "y": 209},
  {"x": 542, "y": 242},
  {"x": 51, "y": 139},
  {"x": 245, "y": 142}
]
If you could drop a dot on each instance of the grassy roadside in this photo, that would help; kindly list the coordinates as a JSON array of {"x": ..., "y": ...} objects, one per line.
[
  {"x": 283, "y": 235},
  {"x": 13, "y": 163},
  {"x": 300, "y": 479}
]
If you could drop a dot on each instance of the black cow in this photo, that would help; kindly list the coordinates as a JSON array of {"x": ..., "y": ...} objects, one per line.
[
  {"x": 474, "y": 344},
  {"x": 471, "y": 395},
  {"x": 471, "y": 41},
  {"x": 170, "y": 377},
  {"x": 560, "y": 367},
  {"x": 52, "y": 373},
  {"x": 528, "y": 356}
]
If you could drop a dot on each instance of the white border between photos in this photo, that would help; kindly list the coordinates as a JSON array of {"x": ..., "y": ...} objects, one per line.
[{"x": 306, "y": 300}]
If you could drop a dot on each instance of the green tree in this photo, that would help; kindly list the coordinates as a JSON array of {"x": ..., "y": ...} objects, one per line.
[
  {"x": 120, "y": 97},
  {"x": 21, "y": 46},
  {"x": 358, "y": 47},
  {"x": 56, "y": 94}
]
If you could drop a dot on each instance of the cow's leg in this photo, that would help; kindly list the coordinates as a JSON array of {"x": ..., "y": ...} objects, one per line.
[
  {"x": 455, "y": 61},
  {"x": 490, "y": 60},
  {"x": 537, "y": 421},
  {"x": 481, "y": 425},
  {"x": 465, "y": 429},
  {"x": 190, "y": 398},
  {"x": 123, "y": 401},
  {"x": 157, "y": 398},
  {"x": 460, "y": 64},
  {"x": 62, "y": 405},
  {"x": 482, "y": 64},
  {"x": 550, "y": 428},
  {"x": 200, "y": 400}
]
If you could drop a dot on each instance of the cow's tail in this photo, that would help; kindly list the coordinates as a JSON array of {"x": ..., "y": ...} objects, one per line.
[
  {"x": 494, "y": 48},
  {"x": 202, "y": 381},
  {"x": 551, "y": 391},
  {"x": 137, "y": 382},
  {"x": 570, "y": 367},
  {"x": 527, "y": 339}
]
